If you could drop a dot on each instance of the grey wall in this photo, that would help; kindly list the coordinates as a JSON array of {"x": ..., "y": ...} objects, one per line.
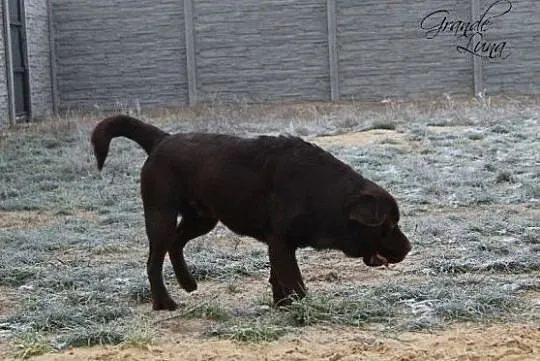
[
  {"x": 39, "y": 64},
  {"x": 520, "y": 73},
  {"x": 121, "y": 53},
  {"x": 252, "y": 50},
  {"x": 3, "y": 81},
  {"x": 383, "y": 52},
  {"x": 115, "y": 54},
  {"x": 118, "y": 52}
]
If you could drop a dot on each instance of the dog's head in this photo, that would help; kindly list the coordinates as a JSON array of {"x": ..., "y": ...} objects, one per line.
[{"x": 372, "y": 228}]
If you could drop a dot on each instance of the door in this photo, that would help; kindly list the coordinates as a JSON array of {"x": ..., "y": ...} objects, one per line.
[{"x": 19, "y": 59}]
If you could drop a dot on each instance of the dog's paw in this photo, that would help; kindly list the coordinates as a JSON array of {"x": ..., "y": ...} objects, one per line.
[
  {"x": 164, "y": 305},
  {"x": 284, "y": 300},
  {"x": 189, "y": 285}
]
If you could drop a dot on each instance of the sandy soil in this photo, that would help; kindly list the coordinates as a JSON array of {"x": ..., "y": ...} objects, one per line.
[
  {"x": 463, "y": 343},
  {"x": 363, "y": 138},
  {"x": 36, "y": 219},
  {"x": 23, "y": 219}
]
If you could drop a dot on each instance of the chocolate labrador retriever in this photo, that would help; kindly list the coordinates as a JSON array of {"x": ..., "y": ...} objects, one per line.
[{"x": 282, "y": 191}]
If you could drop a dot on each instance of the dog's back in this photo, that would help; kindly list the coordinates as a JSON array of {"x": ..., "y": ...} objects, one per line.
[{"x": 248, "y": 184}]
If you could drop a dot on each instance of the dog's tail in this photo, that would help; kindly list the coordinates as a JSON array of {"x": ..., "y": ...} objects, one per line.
[{"x": 146, "y": 135}]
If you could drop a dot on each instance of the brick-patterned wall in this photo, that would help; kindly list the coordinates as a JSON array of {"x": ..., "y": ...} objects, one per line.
[
  {"x": 39, "y": 64},
  {"x": 383, "y": 52},
  {"x": 119, "y": 53},
  {"x": 3, "y": 81},
  {"x": 520, "y": 72},
  {"x": 252, "y": 50}
]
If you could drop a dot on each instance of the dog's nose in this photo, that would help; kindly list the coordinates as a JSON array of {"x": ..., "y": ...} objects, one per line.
[
  {"x": 400, "y": 249},
  {"x": 409, "y": 247}
]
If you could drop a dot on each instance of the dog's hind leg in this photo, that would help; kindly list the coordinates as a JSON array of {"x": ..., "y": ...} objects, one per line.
[
  {"x": 190, "y": 227},
  {"x": 161, "y": 230},
  {"x": 285, "y": 275}
]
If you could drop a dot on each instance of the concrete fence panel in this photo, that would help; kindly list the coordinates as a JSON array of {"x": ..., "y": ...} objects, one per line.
[
  {"x": 383, "y": 52},
  {"x": 120, "y": 53},
  {"x": 251, "y": 50},
  {"x": 518, "y": 72}
]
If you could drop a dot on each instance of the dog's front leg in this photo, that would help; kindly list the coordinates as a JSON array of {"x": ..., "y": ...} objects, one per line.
[{"x": 285, "y": 276}]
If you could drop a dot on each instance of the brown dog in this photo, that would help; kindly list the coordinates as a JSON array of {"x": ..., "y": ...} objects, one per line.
[{"x": 279, "y": 190}]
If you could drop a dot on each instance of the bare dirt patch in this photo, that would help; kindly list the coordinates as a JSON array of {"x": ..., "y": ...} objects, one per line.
[
  {"x": 6, "y": 301},
  {"x": 359, "y": 139},
  {"x": 24, "y": 219},
  {"x": 498, "y": 342},
  {"x": 37, "y": 219}
]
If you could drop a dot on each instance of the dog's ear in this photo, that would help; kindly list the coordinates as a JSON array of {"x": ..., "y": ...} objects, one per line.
[{"x": 365, "y": 209}]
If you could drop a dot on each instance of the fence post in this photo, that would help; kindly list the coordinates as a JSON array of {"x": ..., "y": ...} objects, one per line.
[
  {"x": 478, "y": 79},
  {"x": 190, "y": 52},
  {"x": 9, "y": 63},
  {"x": 52, "y": 58},
  {"x": 332, "y": 49}
]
